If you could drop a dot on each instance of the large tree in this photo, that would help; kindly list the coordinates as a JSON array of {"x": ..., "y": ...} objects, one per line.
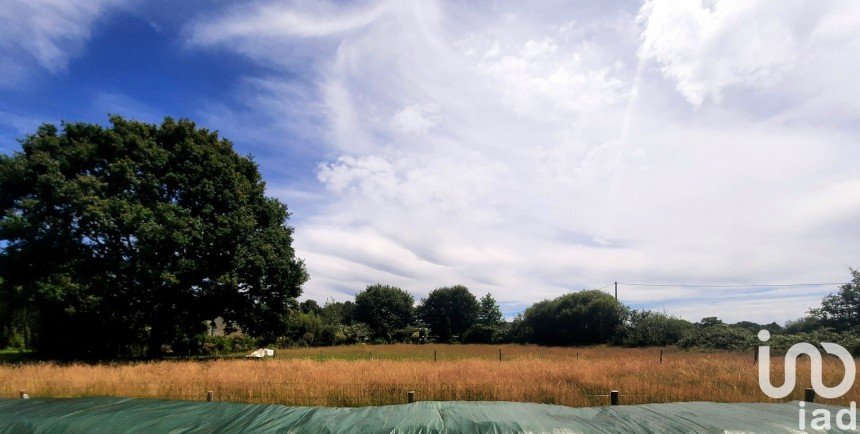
[
  {"x": 841, "y": 310},
  {"x": 489, "y": 313},
  {"x": 449, "y": 311},
  {"x": 585, "y": 317},
  {"x": 385, "y": 309},
  {"x": 125, "y": 239}
]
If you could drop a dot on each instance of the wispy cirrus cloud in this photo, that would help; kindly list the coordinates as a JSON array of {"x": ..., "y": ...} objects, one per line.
[
  {"x": 532, "y": 151},
  {"x": 43, "y": 34}
]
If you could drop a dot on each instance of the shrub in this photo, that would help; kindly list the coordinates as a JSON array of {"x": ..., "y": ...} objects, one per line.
[
  {"x": 481, "y": 334},
  {"x": 779, "y": 344},
  {"x": 217, "y": 345},
  {"x": 579, "y": 318},
  {"x": 648, "y": 328},
  {"x": 718, "y": 337}
]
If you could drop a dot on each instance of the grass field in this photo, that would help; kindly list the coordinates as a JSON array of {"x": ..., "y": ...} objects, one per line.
[{"x": 376, "y": 375}]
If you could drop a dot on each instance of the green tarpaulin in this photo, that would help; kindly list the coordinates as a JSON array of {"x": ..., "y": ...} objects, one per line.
[{"x": 80, "y": 415}]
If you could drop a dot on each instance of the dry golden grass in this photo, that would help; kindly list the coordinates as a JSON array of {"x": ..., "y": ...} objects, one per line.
[{"x": 377, "y": 375}]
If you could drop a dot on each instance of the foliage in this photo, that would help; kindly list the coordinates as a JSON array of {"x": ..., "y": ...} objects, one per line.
[
  {"x": 307, "y": 329},
  {"x": 779, "y": 344},
  {"x": 709, "y": 321},
  {"x": 449, "y": 311},
  {"x": 339, "y": 312},
  {"x": 385, "y": 309},
  {"x": 124, "y": 240},
  {"x": 579, "y": 318},
  {"x": 310, "y": 306},
  {"x": 489, "y": 313},
  {"x": 841, "y": 311},
  {"x": 482, "y": 334},
  {"x": 412, "y": 335},
  {"x": 354, "y": 333},
  {"x": 648, "y": 328},
  {"x": 803, "y": 325},
  {"x": 221, "y": 345},
  {"x": 718, "y": 337},
  {"x": 516, "y": 331},
  {"x": 753, "y": 327},
  {"x": 490, "y": 326}
]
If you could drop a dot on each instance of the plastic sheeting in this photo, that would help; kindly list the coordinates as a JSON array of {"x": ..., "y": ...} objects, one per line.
[
  {"x": 262, "y": 352},
  {"x": 151, "y": 415}
]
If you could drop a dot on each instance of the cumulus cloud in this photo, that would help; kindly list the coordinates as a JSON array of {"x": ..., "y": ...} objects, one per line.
[
  {"x": 531, "y": 151},
  {"x": 792, "y": 49},
  {"x": 43, "y": 33}
]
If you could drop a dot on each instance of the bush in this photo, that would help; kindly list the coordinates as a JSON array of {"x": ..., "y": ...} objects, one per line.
[
  {"x": 516, "y": 331},
  {"x": 648, "y": 328},
  {"x": 803, "y": 325},
  {"x": 16, "y": 340},
  {"x": 308, "y": 329},
  {"x": 218, "y": 345},
  {"x": 719, "y": 337},
  {"x": 750, "y": 326},
  {"x": 481, "y": 334},
  {"x": 579, "y": 318},
  {"x": 779, "y": 344}
]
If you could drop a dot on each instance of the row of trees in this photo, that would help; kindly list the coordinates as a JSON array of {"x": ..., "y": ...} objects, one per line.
[
  {"x": 384, "y": 313},
  {"x": 388, "y": 314}
]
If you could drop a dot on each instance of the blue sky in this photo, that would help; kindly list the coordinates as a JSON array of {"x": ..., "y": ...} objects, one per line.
[{"x": 523, "y": 151}]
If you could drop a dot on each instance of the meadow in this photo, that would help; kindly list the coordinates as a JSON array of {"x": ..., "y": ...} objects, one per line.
[{"x": 382, "y": 374}]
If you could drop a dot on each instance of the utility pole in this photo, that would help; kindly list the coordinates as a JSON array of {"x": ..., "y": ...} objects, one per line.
[{"x": 616, "y": 290}]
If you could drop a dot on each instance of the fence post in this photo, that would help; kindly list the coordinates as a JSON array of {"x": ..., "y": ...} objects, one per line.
[
  {"x": 434, "y": 355},
  {"x": 755, "y": 357},
  {"x": 500, "y": 354},
  {"x": 210, "y": 395},
  {"x": 809, "y": 395},
  {"x": 410, "y": 396},
  {"x": 613, "y": 397},
  {"x": 661, "y": 356},
  {"x": 23, "y": 394}
]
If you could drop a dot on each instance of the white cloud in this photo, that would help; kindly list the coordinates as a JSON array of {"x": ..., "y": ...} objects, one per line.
[
  {"x": 532, "y": 151},
  {"x": 416, "y": 119},
  {"x": 790, "y": 48},
  {"x": 46, "y": 33},
  {"x": 316, "y": 19}
]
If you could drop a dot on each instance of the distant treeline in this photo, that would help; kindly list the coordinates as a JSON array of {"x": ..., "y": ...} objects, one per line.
[
  {"x": 387, "y": 314},
  {"x": 382, "y": 314}
]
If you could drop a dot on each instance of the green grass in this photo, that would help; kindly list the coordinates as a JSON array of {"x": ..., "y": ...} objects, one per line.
[{"x": 14, "y": 355}]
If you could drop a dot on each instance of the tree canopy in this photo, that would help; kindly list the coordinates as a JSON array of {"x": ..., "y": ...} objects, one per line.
[
  {"x": 841, "y": 310},
  {"x": 449, "y": 311},
  {"x": 385, "y": 309},
  {"x": 489, "y": 313},
  {"x": 125, "y": 239},
  {"x": 646, "y": 328},
  {"x": 578, "y": 318}
]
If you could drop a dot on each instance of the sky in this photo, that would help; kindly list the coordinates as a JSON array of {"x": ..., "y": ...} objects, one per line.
[{"x": 526, "y": 149}]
